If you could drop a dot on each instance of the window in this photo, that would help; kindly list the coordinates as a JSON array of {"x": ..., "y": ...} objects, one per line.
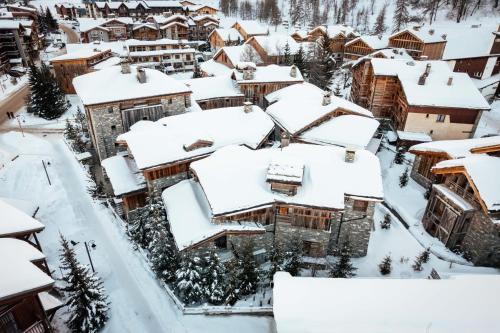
[
  {"x": 113, "y": 128},
  {"x": 110, "y": 110},
  {"x": 427, "y": 116},
  {"x": 360, "y": 206},
  {"x": 169, "y": 101},
  {"x": 440, "y": 118}
]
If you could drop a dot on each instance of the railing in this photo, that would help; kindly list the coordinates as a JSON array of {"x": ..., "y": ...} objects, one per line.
[
  {"x": 37, "y": 327},
  {"x": 462, "y": 192}
]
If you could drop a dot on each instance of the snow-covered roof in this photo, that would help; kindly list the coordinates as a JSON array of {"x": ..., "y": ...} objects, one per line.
[
  {"x": 26, "y": 206},
  {"x": 156, "y": 42},
  {"x": 81, "y": 54},
  {"x": 285, "y": 169},
  {"x": 483, "y": 171},
  {"x": 299, "y": 105},
  {"x": 274, "y": 44},
  {"x": 346, "y": 131},
  {"x": 270, "y": 73},
  {"x": 229, "y": 34},
  {"x": 334, "y": 30},
  {"x": 49, "y": 302},
  {"x": 16, "y": 222},
  {"x": 414, "y": 136},
  {"x": 160, "y": 52},
  {"x": 145, "y": 25},
  {"x": 224, "y": 126},
  {"x": 163, "y": 4},
  {"x": 465, "y": 41},
  {"x": 385, "y": 53},
  {"x": 190, "y": 218},
  {"x": 85, "y": 23},
  {"x": 9, "y": 24},
  {"x": 214, "y": 68},
  {"x": 427, "y": 35},
  {"x": 236, "y": 53},
  {"x": 22, "y": 249},
  {"x": 213, "y": 87},
  {"x": 456, "y": 148},
  {"x": 123, "y": 174},
  {"x": 111, "y": 85},
  {"x": 457, "y": 199},
  {"x": 461, "y": 304},
  {"x": 171, "y": 24},
  {"x": 118, "y": 47},
  {"x": 375, "y": 42},
  {"x": 252, "y": 27},
  {"x": 234, "y": 177},
  {"x": 111, "y": 61},
  {"x": 461, "y": 93}
]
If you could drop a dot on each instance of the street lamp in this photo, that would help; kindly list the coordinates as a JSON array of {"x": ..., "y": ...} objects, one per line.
[{"x": 92, "y": 245}]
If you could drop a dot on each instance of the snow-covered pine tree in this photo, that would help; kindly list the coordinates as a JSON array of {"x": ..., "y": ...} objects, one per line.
[
  {"x": 287, "y": 56},
  {"x": 163, "y": 255},
  {"x": 293, "y": 255},
  {"x": 50, "y": 22},
  {"x": 214, "y": 279},
  {"x": 401, "y": 15},
  {"x": 69, "y": 131},
  {"x": 385, "y": 267},
  {"x": 321, "y": 69},
  {"x": 379, "y": 28},
  {"x": 343, "y": 267},
  {"x": 189, "y": 280},
  {"x": 87, "y": 300},
  {"x": 142, "y": 218},
  {"x": 233, "y": 282},
  {"x": 403, "y": 179},
  {"x": 299, "y": 59},
  {"x": 386, "y": 223},
  {"x": 316, "y": 15},
  {"x": 417, "y": 264},
  {"x": 276, "y": 259},
  {"x": 46, "y": 98},
  {"x": 425, "y": 255},
  {"x": 400, "y": 155},
  {"x": 197, "y": 71},
  {"x": 249, "y": 273}
]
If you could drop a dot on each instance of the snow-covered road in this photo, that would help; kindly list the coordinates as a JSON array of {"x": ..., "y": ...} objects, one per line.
[{"x": 139, "y": 304}]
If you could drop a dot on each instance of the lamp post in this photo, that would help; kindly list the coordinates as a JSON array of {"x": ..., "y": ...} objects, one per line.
[{"x": 92, "y": 246}]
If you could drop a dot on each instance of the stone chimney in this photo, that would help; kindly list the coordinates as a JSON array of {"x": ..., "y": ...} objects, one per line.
[
  {"x": 428, "y": 69},
  {"x": 247, "y": 107},
  {"x": 125, "y": 64},
  {"x": 450, "y": 80},
  {"x": 327, "y": 98},
  {"x": 293, "y": 71},
  {"x": 431, "y": 32},
  {"x": 421, "y": 79},
  {"x": 141, "y": 75},
  {"x": 248, "y": 74},
  {"x": 285, "y": 140},
  {"x": 443, "y": 36},
  {"x": 350, "y": 154}
]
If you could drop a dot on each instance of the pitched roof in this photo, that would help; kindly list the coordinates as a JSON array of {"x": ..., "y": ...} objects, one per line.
[
  {"x": 479, "y": 40},
  {"x": 213, "y": 87},
  {"x": 16, "y": 222},
  {"x": 456, "y": 148},
  {"x": 236, "y": 54},
  {"x": 252, "y": 27},
  {"x": 334, "y": 30},
  {"x": 123, "y": 174},
  {"x": 275, "y": 44},
  {"x": 425, "y": 34},
  {"x": 270, "y": 73},
  {"x": 229, "y": 34},
  {"x": 374, "y": 42}
]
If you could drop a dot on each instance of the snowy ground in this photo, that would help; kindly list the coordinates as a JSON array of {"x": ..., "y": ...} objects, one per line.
[
  {"x": 138, "y": 303},
  {"x": 7, "y": 88},
  {"x": 489, "y": 122},
  {"x": 30, "y": 121}
]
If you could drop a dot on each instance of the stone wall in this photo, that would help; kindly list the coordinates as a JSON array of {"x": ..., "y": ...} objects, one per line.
[
  {"x": 482, "y": 241},
  {"x": 158, "y": 185},
  {"x": 285, "y": 232}
]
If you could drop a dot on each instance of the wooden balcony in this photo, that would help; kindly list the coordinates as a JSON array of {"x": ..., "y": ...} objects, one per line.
[
  {"x": 37, "y": 327},
  {"x": 463, "y": 193}
]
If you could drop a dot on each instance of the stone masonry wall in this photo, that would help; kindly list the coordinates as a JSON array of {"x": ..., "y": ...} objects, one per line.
[
  {"x": 285, "y": 232},
  {"x": 157, "y": 186},
  {"x": 482, "y": 241}
]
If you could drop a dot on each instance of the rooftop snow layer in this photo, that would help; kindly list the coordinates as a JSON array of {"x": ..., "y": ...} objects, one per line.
[
  {"x": 334, "y": 30},
  {"x": 304, "y": 304},
  {"x": 274, "y": 44},
  {"x": 236, "y": 54},
  {"x": 375, "y": 42},
  {"x": 15, "y": 222},
  {"x": 190, "y": 218},
  {"x": 230, "y": 34},
  {"x": 26, "y": 206},
  {"x": 386, "y": 53},
  {"x": 81, "y": 54},
  {"x": 252, "y": 27},
  {"x": 426, "y": 35},
  {"x": 123, "y": 174},
  {"x": 111, "y": 85},
  {"x": 225, "y": 126},
  {"x": 483, "y": 170},
  {"x": 270, "y": 73},
  {"x": 456, "y": 148},
  {"x": 234, "y": 177},
  {"x": 213, "y": 87},
  {"x": 22, "y": 249},
  {"x": 214, "y": 68},
  {"x": 414, "y": 136},
  {"x": 465, "y": 41},
  {"x": 462, "y": 93}
]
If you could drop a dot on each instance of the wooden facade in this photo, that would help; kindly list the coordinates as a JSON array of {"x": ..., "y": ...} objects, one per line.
[
  {"x": 255, "y": 92},
  {"x": 416, "y": 47},
  {"x": 221, "y": 102},
  {"x": 357, "y": 49},
  {"x": 146, "y": 32},
  {"x": 141, "y": 10},
  {"x": 217, "y": 42},
  {"x": 175, "y": 30},
  {"x": 202, "y": 28},
  {"x": 24, "y": 313}
]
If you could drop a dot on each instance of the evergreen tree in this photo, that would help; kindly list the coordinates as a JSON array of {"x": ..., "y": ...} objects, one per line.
[
  {"x": 50, "y": 22},
  {"x": 403, "y": 179},
  {"x": 41, "y": 21},
  {"x": 425, "y": 256},
  {"x": 141, "y": 221},
  {"x": 385, "y": 266},
  {"x": 401, "y": 15},
  {"x": 379, "y": 28},
  {"x": 189, "y": 280},
  {"x": 299, "y": 60},
  {"x": 386, "y": 223},
  {"x": 400, "y": 156},
  {"x": 417, "y": 265},
  {"x": 343, "y": 267},
  {"x": 96, "y": 189},
  {"x": 163, "y": 254},
  {"x": 214, "y": 280},
  {"x": 70, "y": 131},
  {"x": 249, "y": 275},
  {"x": 46, "y": 98},
  {"x": 316, "y": 16},
  {"x": 293, "y": 255},
  {"x": 233, "y": 282},
  {"x": 276, "y": 258},
  {"x": 287, "y": 56},
  {"x": 321, "y": 69},
  {"x": 87, "y": 300},
  {"x": 197, "y": 71}
]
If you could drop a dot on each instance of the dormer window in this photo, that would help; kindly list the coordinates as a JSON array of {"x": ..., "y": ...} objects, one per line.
[
  {"x": 285, "y": 175},
  {"x": 197, "y": 144}
]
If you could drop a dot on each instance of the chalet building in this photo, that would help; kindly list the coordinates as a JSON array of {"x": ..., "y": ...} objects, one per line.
[
  {"x": 117, "y": 97},
  {"x": 300, "y": 36},
  {"x": 321, "y": 194},
  {"x": 420, "y": 43},
  {"x": 364, "y": 45},
  {"x": 429, "y": 154},
  {"x": 250, "y": 28},
  {"x": 190, "y": 136},
  {"x": 173, "y": 27},
  {"x": 70, "y": 65},
  {"x": 215, "y": 92},
  {"x": 463, "y": 210},
  {"x": 200, "y": 27},
  {"x": 257, "y": 82},
  {"x": 138, "y": 9},
  {"x": 339, "y": 36},
  {"x": 219, "y": 38},
  {"x": 305, "y": 113},
  {"x": 300, "y": 301},
  {"x": 214, "y": 68},
  {"x": 419, "y": 96},
  {"x": 198, "y": 10},
  {"x": 169, "y": 60},
  {"x": 271, "y": 48},
  {"x": 230, "y": 56},
  {"x": 70, "y": 10},
  {"x": 145, "y": 31},
  {"x": 14, "y": 50},
  {"x": 105, "y": 30}
]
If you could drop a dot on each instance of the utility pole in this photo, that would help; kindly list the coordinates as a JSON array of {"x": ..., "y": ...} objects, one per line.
[
  {"x": 90, "y": 259},
  {"x": 20, "y": 126}
]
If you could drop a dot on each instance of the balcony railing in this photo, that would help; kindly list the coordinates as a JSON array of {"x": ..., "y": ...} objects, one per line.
[
  {"x": 37, "y": 327},
  {"x": 462, "y": 192}
]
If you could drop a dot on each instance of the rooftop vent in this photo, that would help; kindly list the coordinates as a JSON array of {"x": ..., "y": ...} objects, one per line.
[
  {"x": 421, "y": 79},
  {"x": 443, "y": 36},
  {"x": 450, "y": 81},
  {"x": 411, "y": 63},
  {"x": 197, "y": 144},
  {"x": 285, "y": 140},
  {"x": 350, "y": 154},
  {"x": 327, "y": 98},
  {"x": 125, "y": 64},
  {"x": 247, "y": 107},
  {"x": 431, "y": 32},
  {"x": 285, "y": 175},
  {"x": 293, "y": 71},
  {"x": 141, "y": 75},
  {"x": 428, "y": 69}
]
